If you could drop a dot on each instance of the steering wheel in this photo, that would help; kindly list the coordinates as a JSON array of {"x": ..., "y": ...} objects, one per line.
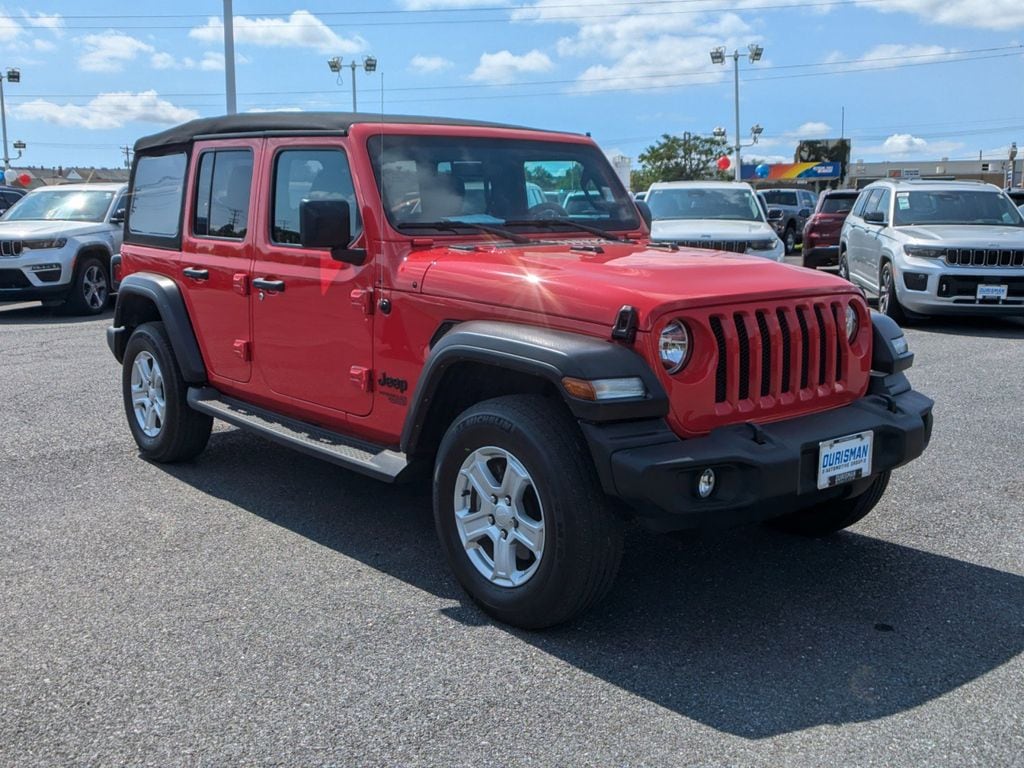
[{"x": 547, "y": 210}]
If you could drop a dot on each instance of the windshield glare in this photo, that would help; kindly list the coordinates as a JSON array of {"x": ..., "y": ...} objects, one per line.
[
  {"x": 726, "y": 204},
  {"x": 60, "y": 205},
  {"x": 955, "y": 207},
  {"x": 433, "y": 179}
]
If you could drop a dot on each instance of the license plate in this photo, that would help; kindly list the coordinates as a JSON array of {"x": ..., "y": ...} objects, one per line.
[
  {"x": 844, "y": 459},
  {"x": 986, "y": 291}
]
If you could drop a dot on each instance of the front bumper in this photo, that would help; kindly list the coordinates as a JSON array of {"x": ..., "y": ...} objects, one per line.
[
  {"x": 953, "y": 290},
  {"x": 762, "y": 471}
]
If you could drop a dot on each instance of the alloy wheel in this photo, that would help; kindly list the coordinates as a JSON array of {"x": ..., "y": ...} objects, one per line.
[
  {"x": 149, "y": 402},
  {"x": 499, "y": 517},
  {"x": 884, "y": 290},
  {"x": 94, "y": 287}
]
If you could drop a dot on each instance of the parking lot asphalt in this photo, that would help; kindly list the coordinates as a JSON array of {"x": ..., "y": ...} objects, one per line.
[{"x": 260, "y": 607}]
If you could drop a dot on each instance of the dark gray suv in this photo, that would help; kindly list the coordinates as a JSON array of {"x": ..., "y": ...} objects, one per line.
[{"x": 795, "y": 206}]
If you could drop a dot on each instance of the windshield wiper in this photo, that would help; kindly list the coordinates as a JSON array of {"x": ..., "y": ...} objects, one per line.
[
  {"x": 458, "y": 226},
  {"x": 571, "y": 223}
]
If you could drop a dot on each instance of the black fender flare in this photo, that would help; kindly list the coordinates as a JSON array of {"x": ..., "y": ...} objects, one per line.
[
  {"x": 548, "y": 354},
  {"x": 165, "y": 295}
]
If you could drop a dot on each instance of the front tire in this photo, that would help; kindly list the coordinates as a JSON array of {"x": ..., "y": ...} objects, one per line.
[
  {"x": 90, "y": 288},
  {"x": 888, "y": 301},
  {"x": 844, "y": 266},
  {"x": 832, "y": 516},
  {"x": 165, "y": 428},
  {"x": 521, "y": 515},
  {"x": 789, "y": 238}
]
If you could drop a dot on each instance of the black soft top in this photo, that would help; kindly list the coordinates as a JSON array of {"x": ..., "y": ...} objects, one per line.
[{"x": 289, "y": 122}]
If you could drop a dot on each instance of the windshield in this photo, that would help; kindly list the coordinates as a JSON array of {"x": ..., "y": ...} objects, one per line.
[
  {"x": 837, "y": 203},
  {"x": 955, "y": 207},
  {"x": 726, "y": 204},
  {"x": 426, "y": 181},
  {"x": 61, "y": 205}
]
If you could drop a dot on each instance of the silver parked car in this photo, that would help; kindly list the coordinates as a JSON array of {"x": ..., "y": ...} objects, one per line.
[
  {"x": 56, "y": 245},
  {"x": 935, "y": 248}
]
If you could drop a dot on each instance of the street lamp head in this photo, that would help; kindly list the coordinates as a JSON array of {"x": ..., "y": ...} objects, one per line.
[
  {"x": 334, "y": 64},
  {"x": 718, "y": 55},
  {"x": 369, "y": 63},
  {"x": 756, "y": 51},
  {"x": 13, "y": 75},
  {"x": 718, "y": 132},
  {"x": 756, "y": 130},
  {"x": 19, "y": 144},
  {"x": 1013, "y": 151}
]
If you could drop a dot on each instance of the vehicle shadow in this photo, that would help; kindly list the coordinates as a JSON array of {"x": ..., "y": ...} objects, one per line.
[
  {"x": 981, "y": 327},
  {"x": 750, "y": 632},
  {"x": 37, "y": 314}
]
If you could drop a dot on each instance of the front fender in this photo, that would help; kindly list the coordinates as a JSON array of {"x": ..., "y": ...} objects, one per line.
[{"x": 548, "y": 354}]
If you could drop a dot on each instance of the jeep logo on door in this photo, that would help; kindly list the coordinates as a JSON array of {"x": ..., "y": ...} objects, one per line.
[{"x": 386, "y": 382}]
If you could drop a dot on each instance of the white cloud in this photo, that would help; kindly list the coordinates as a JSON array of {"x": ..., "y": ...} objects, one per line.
[
  {"x": 981, "y": 14},
  {"x": 505, "y": 66},
  {"x": 212, "y": 61},
  {"x": 427, "y": 64},
  {"x": 811, "y": 130},
  {"x": 54, "y": 22},
  {"x": 44, "y": 46},
  {"x": 301, "y": 29},
  {"x": 900, "y": 146},
  {"x": 110, "y": 51},
  {"x": 904, "y": 144},
  {"x": 891, "y": 54},
  {"x": 106, "y": 111},
  {"x": 163, "y": 60},
  {"x": 433, "y": 5}
]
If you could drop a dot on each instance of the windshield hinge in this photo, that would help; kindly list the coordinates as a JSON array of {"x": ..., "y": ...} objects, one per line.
[{"x": 625, "y": 326}]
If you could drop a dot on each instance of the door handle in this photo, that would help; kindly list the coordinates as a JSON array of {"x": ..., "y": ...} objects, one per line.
[
  {"x": 196, "y": 274},
  {"x": 265, "y": 284}
]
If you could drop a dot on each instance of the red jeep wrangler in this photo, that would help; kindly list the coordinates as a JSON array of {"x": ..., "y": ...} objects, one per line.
[{"x": 397, "y": 293}]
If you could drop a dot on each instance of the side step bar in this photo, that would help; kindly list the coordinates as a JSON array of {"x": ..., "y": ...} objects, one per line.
[{"x": 375, "y": 461}]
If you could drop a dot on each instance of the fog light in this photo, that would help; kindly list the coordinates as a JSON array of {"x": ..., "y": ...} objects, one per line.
[
  {"x": 706, "y": 484},
  {"x": 915, "y": 281}
]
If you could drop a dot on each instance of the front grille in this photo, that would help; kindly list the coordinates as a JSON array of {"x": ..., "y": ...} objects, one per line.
[
  {"x": 732, "y": 246},
  {"x": 13, "y": 278},
  {"x": 984, "y": 257},
  {"x": 765, "y": 353},
  {"x": 10, "y": 248}
]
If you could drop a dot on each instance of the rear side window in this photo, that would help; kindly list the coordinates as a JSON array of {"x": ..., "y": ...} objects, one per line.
[
  {"x": 308, "y": 174},
  {"x": 154, "y": 214},
  {"x": 222, "y": 194},
  {"x": 836, "y": 204}
]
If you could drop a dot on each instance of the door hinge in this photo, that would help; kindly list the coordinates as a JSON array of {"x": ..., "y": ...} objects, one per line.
[
  {"x": 362, "y": 298},
  {"x": 243, "y": 348},
  {"x": 240, "y": 283},
  {"x": 361, "y": 376}
]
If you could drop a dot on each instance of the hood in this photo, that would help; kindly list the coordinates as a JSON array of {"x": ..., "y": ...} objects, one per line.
[
  {"x": 709, "y": 229},
  {"x": 556, "y": 280},
  {"x": 21, "y": 230},
  {"x": 965, "y": 235}
]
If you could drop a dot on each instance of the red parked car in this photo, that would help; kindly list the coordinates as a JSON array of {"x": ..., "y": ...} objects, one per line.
[
  {"x": 821, "y": 232},
  {"x": 383, "y": 293}
]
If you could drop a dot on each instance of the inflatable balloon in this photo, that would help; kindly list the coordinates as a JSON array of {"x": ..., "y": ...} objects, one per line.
[
  {"x": 24, "y": 179},
  {"x": 723, "y": 163},
  {"x": 762, "y": 171},
  {"x": 10, "y": 176}
]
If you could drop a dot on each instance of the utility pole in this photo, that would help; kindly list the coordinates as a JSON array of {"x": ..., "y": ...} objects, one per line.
[
  {"x": 127, "y": 155},
  {"x": 3, "y": 121},
  {"x": 229, "y": 57}
]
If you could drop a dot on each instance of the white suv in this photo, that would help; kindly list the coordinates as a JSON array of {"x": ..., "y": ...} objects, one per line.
[
  {"x": 56, "y": 244},
  {"x": 719, "y": 215},
  {"x": 935, "y": 248}
]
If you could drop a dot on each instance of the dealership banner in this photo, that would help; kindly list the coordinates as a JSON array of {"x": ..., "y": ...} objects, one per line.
[{"x": 780, "y": 171}]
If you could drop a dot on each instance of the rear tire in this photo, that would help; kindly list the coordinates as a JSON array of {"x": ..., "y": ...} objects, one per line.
[
  {"x": 536, "y": 547},
  {"x": 789, "y": 238},
  {"x": 165, "y": 428},
  {"x": 832, "y": 516}
]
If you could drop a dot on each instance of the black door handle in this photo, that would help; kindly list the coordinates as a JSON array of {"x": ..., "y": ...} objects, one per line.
[
  {"x": 196, "y": 273},
  {"x": 268, "y": 285}
]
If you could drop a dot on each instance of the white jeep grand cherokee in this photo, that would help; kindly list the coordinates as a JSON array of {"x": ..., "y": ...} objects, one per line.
[{"x": 56, "y": 244}]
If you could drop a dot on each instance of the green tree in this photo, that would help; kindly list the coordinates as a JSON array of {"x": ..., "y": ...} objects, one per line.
[{"x": 680, "y": 158}]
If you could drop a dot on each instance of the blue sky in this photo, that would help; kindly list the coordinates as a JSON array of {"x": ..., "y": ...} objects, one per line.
[{"x": 919, "y": 79}]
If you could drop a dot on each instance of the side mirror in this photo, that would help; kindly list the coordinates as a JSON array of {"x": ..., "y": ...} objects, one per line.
[
  {"x": 874, "y": 217},
  {"x": 645, "y": 212},
  {"x": 328, "y": 224},
  {"x": 774, "y": 214},
  {"x": 117, "y": 219},
  {"x": 803, "y": 213}
]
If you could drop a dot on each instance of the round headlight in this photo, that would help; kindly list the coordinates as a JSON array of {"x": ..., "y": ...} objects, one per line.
[
  {"x": 852, "y": 324},
  {"x": 674, "y": 346}
]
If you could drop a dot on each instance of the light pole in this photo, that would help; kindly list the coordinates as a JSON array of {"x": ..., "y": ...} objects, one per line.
[
  {"x": 1009, "y": 174},
  {"x": 229, "y": 58},
  {"x": 755, "y": 52},
  {"x": 13, "y": 76},
  {"x": 369, "y": 64},
  {"x": 755, "y": 133}
]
